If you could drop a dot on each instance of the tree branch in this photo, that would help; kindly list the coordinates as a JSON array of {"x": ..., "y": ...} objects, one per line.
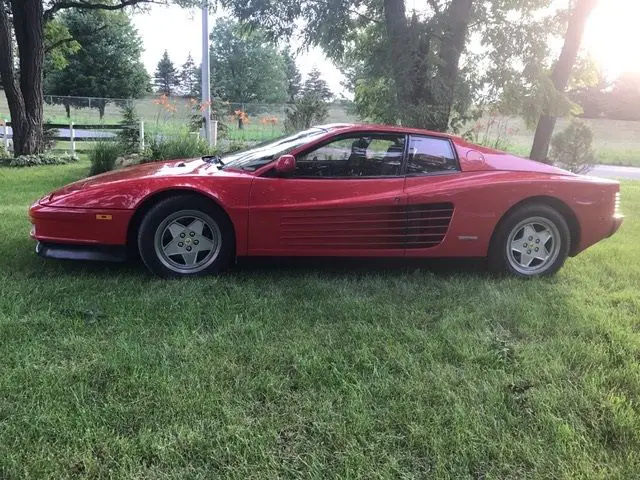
[
  {"x": 59, "y": 43},
  {"x": 434, "y": 5},
  {"x": 90, "y": 5}
]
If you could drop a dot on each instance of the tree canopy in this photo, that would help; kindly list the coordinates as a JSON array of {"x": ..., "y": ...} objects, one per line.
[
  {"x": 166, "y": 77},
  {"x": 245, "y": 65},
  {"x": 418, "y": 67},
  {"x": 107, "y": 64}
]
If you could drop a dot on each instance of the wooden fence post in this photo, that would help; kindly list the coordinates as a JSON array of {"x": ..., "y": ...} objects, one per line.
[
  {"x": 72, "y": 139},
  {"x": 214, "y": 133},
  {"x": 141, "y": 135}
]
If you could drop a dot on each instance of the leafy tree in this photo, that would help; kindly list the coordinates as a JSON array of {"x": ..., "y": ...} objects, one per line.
[
  {"x": 21, "y": 70},
  {"x": 316, "y": 86},
  {"x": 306, "y": 111},
  {"x": 294, "y": 78},
  {"x": 58, "y": 45},
  {"x": 108, "y": 63},
  {"x": 561, "y": 73},
  {"x": 623, "y": 101},
  {"x": 245, "y": 66},
  {"x": 166, "y": 76},
  {"x": 572, "y": 148},
  {"x": 410, "y": 67},
  {"x": 189, "y": 78}
]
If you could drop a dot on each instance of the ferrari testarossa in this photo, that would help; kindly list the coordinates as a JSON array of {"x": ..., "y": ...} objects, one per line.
[{"x": 332, "y": 190}]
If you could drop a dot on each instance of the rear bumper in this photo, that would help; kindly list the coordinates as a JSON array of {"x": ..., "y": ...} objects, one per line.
[
  {"x": 101, "y": 253},
  {"x": 617, "y": 221}
]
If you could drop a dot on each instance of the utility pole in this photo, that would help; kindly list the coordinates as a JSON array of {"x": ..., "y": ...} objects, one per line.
[{"x": 206, "y": 82}]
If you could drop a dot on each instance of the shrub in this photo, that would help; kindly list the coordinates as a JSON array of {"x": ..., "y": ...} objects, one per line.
[
  {"x": 39, "y": 159},
  {"x": 571, "y": 148},
  {"x": 129, "y": 136},
  {"x": 103, "y": 157},
  {"x": 306, "y": 111},
  {"x": 184, "y": 146}
]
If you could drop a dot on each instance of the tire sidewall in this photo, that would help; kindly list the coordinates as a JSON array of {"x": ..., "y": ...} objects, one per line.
[
  {"x": 165, "y": 208},
  {"x": 498, "y": 261}
]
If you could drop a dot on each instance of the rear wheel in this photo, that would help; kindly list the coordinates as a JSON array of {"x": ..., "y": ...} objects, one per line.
[
  {"x": 531, "y": 241},
  {"x": 185, "y": 236}
]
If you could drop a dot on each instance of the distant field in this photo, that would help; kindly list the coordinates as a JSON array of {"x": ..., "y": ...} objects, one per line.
[{"x": 616, "y": 142}]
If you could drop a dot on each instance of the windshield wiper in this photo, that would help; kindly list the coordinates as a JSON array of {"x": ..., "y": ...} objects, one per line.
[{"x": 215, "y": 159}]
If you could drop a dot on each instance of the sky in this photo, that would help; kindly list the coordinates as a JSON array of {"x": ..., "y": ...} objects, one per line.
[{"x": 612, "y": 37}]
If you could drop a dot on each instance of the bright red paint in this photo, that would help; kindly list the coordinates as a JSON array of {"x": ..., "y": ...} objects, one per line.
[{"x": 336, "y": 217}]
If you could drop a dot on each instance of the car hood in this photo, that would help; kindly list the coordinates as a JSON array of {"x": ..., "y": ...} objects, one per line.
[
  {"x": 125, "y": 187},
  {"x": 173, "y": 168}
]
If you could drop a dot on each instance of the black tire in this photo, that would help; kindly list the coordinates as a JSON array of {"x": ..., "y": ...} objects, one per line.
[
  {"x": 498, "y": 258},
  {"x": 169, "y": 212}
]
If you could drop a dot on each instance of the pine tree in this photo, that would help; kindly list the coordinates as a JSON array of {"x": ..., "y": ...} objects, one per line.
[
  {"x": 189, "y": 77},
  {"x": 166, "y": 76},
  {"x": 316, "y": 86},
  {"x": 293, "y": 74}
]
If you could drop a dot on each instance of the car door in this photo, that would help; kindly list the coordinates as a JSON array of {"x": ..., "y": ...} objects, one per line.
[
  {"x": 432, "y": 173},
  {"x": 345, "y": 198}
]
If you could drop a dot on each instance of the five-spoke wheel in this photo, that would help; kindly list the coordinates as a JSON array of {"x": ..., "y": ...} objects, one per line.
[
  {"x": 185, "y": 235},
  {"x": 532, "y": 240}
]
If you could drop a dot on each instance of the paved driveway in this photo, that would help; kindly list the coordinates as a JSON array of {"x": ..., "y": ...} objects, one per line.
[{"x": 614, "y": 171}]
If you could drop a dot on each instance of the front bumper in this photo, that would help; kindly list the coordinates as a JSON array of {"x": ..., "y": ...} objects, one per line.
[
  {"x": 101, "y": 253},
  {"x": 79, "y": 226}
]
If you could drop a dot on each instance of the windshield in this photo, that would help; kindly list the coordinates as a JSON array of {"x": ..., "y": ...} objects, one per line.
[{"x": 263, "y": 153}]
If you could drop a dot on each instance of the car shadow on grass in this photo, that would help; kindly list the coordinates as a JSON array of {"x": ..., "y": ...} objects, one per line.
[{"x": 278, "y": 266}]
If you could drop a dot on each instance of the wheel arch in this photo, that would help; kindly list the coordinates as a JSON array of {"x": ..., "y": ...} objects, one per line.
[
  {"x": 148, "y": 203},
  {"x": 561, "y": 207}
]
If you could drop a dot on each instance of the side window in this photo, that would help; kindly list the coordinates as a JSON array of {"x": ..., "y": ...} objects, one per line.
[
  {"x": 364, "y": 155},
  {"x": 430, "y": 155}
]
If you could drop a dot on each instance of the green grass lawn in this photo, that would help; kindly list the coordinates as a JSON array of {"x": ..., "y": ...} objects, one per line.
[{"x": 300, "y": 370}]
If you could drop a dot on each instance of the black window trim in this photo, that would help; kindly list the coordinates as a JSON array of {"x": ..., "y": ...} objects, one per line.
[
  {"x": 429, "y": 174},
  {"x": 362, "y": 133}
]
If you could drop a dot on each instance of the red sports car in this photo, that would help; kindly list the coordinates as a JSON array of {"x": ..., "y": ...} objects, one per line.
[{"x": 333, "y": 190}]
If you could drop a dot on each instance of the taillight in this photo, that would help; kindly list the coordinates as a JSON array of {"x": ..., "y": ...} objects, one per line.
[{"x": 616, "y": 203}]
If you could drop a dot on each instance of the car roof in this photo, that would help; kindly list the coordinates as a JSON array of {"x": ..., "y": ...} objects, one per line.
[{"x": 358, "y": 127}]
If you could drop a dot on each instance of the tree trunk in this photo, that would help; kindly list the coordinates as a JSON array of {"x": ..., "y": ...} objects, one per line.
[
  {"x": 396, "y": 24},
  {"x": 458, "y": 16},
  {"x": 101, "y": 107},
  {"x": 24, "y": 96},
  {"x": 29, "y": 33},
  {"x": 420, "y": 102},
  {"x": 561, "y": 73}
]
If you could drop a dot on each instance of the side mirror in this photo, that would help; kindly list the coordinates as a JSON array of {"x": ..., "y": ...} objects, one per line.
[{"x": 286, "y": 164}]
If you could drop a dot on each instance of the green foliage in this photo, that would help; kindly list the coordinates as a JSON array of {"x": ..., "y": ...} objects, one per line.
[
  {"x": 103, "y": 157},
  {"x": 623, "y": 101},
  {"x": 189, "y": 78},
  {"x": 108, "y": 63},
  {"x": 129, "y": 136},
  {"x": 178, "y": 147},
  {"x": 58, "y": 45},
  {"x": 36, "y": 160},
  {"x": 316, "y": 86},
  {"x": 245, "y": 66},
  {"x": 294, "y": 78},
  {"x": 306, "y": 111},
  {"x": 572, "y": 148},
  {"x": 166, "y": 77}
]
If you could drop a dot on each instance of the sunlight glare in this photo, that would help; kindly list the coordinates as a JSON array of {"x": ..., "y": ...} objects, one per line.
[{"x": 612, "y": 36}]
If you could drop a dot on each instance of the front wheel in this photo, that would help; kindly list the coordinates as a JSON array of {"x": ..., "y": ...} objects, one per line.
[
  {"x": 531, "y": 241},
  {"x": 185, "y": 236}
]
